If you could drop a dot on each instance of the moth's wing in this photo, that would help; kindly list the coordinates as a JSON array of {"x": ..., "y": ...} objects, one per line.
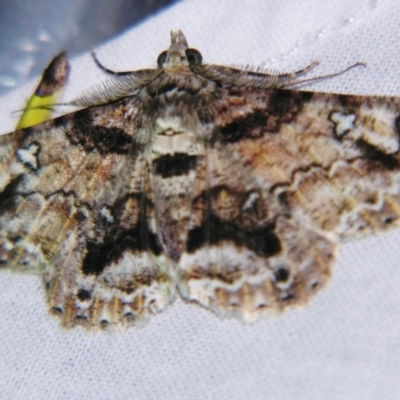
[
  {"x": 245, "y": 255},
  {"x": 348, "y": 178},
  {"x": 74, "y": 207},
  {"x": 288, "y": 178}
]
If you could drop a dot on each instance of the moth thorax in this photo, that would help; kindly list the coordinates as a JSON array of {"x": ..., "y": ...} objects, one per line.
[{"x": 171, "y": 136}]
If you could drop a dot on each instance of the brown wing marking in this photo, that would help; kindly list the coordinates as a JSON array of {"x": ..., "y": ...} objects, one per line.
[
  {"x": 244, "y": 255},
  {"x": 305, "y": 169},
  {"x": 80, "y": 214}
]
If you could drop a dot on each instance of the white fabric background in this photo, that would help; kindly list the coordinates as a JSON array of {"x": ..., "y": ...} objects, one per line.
[{"x": 345, "y": 344}]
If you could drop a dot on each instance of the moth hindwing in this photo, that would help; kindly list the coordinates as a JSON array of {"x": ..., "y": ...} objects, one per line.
[{"x": 220, "y": 184}]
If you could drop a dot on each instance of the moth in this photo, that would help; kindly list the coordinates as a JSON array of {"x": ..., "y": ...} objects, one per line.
[{"x": 219, "y": 184}]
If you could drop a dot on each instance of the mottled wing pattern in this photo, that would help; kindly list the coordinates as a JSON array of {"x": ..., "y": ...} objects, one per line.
[
  {"x": 204, "y": 179},
  {"x": 289, "y": 175},
  {"x": 74, "y": 207}
]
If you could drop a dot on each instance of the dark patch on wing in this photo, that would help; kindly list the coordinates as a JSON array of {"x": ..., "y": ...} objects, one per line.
[
  {"x": 281, "y": 275},
  {"x": 349, "y": 102},
  {"x": 228, "y": 275},
  {"x": 120, "y": 238},
  {"x": 263, "y": 241},
  {"x": 288, "y": 298},
  {"x": 96, "y": 137},
  {"x": 7, "y": 196},
  {"x": 283, "y": 106},
  {"x": 397, "y": 125},
  {"x": 345, "y": 100},
  {"x": 175, "y": 165},
  {"x": 388, "y": 161},
  {"x": 284, "y": 202},
  {"x": 100, "y": 255},
  {"x": 84, "y": 295},
  {"x": 81, "y": 216},
  {"x": 250, "y": 126}
]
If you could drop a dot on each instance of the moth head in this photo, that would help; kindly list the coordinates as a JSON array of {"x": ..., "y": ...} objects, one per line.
[{"x": 178, "y": 56}]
